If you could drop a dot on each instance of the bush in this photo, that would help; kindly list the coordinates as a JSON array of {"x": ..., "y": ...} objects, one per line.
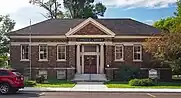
[
  {"x": 141, "y": 82},
  {"x": 40, "y": 79},
  {"x": 127, "y": 72},
  {"x": 30, "y": 83}
]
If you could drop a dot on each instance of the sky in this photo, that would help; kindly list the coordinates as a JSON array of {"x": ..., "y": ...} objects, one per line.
[{"x": 147, "y": 11}]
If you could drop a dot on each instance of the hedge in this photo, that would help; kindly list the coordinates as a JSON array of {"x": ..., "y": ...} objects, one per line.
[{"x": 141, "y": 82}]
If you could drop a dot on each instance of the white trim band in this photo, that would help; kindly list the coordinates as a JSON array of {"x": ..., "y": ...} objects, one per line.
[
  {"x": 38, "y": 43},
  {"x": 41, "y": 37},
  {"x": 135, "y": 37}
]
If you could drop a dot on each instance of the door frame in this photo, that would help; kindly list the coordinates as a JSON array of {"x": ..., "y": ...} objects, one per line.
[{"x": 91, "y": 53}]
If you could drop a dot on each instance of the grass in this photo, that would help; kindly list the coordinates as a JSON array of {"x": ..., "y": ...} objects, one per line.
[
  {"x": 164, "y": 85},
  {"x": 56, "y": 84}
]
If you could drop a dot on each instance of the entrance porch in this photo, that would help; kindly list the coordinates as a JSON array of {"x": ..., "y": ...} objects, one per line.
[{"x": 90, "y": 58}]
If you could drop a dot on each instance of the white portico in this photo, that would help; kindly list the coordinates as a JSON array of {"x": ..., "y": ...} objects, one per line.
[{"x": 90, "y": 47}]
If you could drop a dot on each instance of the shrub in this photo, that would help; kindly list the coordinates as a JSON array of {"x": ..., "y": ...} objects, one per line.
[
  {"x": 141, "y": 82},
  {"x": 127, "y": 72},
  {"x": 40, "y": 79},
  {"x": 30, "y": 83}
]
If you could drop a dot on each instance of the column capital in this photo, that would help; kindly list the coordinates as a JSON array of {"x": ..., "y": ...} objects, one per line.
[
  {"x": 102, "y": 44},
  {"x": 78, "y": 44}
]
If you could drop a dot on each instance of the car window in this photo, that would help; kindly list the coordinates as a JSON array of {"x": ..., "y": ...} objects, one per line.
[
  {"x": 4, "y": 73},
  {"x": 16, "y": 73}
]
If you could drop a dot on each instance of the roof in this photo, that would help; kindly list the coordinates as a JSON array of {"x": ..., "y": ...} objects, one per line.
[{"x": 62, "y": 26}]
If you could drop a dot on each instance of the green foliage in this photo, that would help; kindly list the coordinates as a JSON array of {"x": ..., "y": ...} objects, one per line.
[
  {"x": 166, "y": 50},
  {"x": 127, "y": 72},
  {"x": 170, "y": 24},
  {"x": 84, "y": 8},
  {"x": 52, "y": 6},
  {"x": 166, "y": 25},
  {"x": 30, "y": 83},
  {"x": 6, "y": 25},
  {"x": 3, "y": 61},
  {"x": 141, "y": 82}
]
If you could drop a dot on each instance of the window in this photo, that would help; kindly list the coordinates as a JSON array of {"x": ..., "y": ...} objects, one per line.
[
  {"x": 43, "y": 52},
  {"x": 137, "y": 53},
  {"x": 44, "y": 73},
  {"x": 24, "y": 52},
  {"x": 61, "y": 52},
  {"x": 3, "y": 73},
  {"x": 61, "y": 74},
  {"x": 119, "y": 52}
]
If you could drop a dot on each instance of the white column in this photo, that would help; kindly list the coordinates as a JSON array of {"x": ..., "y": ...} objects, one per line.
[
  {"x": 82, "y": 60},
  {"x": 102, "y": 59},
  {"x": 78, "y": 59}
]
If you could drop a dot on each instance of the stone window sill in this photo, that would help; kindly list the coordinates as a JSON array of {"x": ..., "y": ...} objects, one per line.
[
  {"x": 42, "y": 60},
  {"x": 24, "y": 60},
  {"x": 61, "y": 60},
  {"x": 119, "y": 60},
  {"x": 137, "y": 61}
]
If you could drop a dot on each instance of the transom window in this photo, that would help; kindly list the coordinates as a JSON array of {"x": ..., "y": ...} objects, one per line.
[
  {"x": 119, "y": 52},
  {"x": 137, "y": 53},
  {"x": 24, "y": 52},
  {"x": 61, "y": 52},
  {"x": 90, "y": 48},
  {"x": 43, "y": 52}
]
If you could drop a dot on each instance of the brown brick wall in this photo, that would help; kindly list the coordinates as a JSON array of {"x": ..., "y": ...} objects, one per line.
[
  {"x": 51, "y": 63},
  {"x": 90, "y": 30},
  {"x": 128, "y": 57}
]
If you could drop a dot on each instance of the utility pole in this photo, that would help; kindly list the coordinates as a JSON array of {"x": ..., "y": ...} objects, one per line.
[{"x": 30, "y": 28}]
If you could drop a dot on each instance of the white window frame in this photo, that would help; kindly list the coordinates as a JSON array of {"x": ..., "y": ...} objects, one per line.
[
  {"x": 46, "y": 51},
  {"x": 62, "y": 52},
  {"x": 119, "y": 45},
  {"x": 63, "y": 73},
  {"x": 45, "y": 73},
  {"x": 22, "y": 52},
  {"x": 140, "y": 52}
]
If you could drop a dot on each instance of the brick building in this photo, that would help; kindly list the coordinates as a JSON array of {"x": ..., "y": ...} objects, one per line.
[{"x": 62, "y": 48}]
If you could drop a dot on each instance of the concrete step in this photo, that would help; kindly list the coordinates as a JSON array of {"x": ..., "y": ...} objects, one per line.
[{"x": 90, "y": 78}]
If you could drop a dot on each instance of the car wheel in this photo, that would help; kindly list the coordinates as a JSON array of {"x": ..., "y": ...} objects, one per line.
[{"x": 4, "y": 88}]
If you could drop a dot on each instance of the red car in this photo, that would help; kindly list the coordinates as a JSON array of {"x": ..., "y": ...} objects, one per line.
[{"x": 10, "y": 81}]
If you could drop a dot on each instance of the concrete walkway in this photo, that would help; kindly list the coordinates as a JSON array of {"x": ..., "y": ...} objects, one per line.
[{"x": 90, "y": 86}]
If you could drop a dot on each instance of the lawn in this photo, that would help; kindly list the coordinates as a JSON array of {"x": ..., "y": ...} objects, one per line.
[
  {"x": 171, "y": 85},
  {"x": 56, "y": 84}
]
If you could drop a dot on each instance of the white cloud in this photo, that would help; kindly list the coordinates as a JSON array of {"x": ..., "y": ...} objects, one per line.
[
  {"x": 9, "y": 6},
  {"x": 138, "y": 3},
  {"x": 149, "y": 22}
]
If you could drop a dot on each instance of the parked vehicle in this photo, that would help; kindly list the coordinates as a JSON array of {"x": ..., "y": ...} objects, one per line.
[{"x": 10, "y": 81}]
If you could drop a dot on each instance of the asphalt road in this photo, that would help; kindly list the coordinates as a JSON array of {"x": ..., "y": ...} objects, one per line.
[{"x": 90, "y": 95}]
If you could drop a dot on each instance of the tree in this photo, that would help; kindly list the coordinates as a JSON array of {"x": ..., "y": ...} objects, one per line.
[
  {"x": 166, "y": 49},
  {"x": 166, "y": 25},
  {"x": 170, "y": 24},
  {"x": 84, "y": 8},
  {"x": 6, "y": 26},
  {"x": 52, "y": 6},
  {"x": 178, "y": 10}
]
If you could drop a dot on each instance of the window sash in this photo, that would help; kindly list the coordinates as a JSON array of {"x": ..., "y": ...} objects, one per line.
[
  {"x": 43, "y": 52},
  {"x": 137, "y": 52},
  {"x": 119, "y": 49},
  {"x": 24, "y": 52},
  {"x": 61, "y": 52}
]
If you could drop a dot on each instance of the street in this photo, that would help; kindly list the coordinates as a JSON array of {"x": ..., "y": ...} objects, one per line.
[{"x": 90, "y": 95}]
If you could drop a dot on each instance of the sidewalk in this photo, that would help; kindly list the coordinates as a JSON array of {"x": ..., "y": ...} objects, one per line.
[
  {"x": 99, "y": 87},
  {"x": 134, "y": 90}
]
